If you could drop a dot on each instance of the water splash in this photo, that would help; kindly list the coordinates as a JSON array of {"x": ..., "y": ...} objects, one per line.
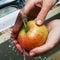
[
  {"x": 24, "y": 57},
  {"x": 10, "y": 46},
  {"x": 40, "y": 58},
  {"x": 13, "y": 48}
]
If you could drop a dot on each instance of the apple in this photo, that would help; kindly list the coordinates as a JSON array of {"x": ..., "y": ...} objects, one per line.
[{"x": 34, "y": 37}]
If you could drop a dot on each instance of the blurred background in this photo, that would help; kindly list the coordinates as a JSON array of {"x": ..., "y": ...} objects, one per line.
[
  {"x": 9, "y": 10},
  {"x": 7, "y": 6}
]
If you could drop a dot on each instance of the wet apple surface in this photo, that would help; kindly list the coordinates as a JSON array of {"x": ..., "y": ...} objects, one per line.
[{"x": 34, "y": 37}]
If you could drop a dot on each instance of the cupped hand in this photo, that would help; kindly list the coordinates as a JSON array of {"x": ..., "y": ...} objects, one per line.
[
  {"x": 52, "y": 40},
  {"x": 34, "y": 9}
]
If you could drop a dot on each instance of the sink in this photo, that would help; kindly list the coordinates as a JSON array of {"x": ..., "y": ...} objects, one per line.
[{"x": 7, "y": 49}]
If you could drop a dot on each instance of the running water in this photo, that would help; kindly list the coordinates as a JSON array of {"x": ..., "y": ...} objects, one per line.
[
  {"x": 14, "y": 49},
  {"x": 11, "y": 45},
  {"x": 23, "y": 57},
  {"x": 40, "y": 58}
]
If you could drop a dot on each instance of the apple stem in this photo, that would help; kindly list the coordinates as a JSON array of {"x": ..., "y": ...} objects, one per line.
[{"x": 26, "y": 27}]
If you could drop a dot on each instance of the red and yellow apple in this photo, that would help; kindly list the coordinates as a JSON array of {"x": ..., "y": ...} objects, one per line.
[{"x": 34, "y": 37}]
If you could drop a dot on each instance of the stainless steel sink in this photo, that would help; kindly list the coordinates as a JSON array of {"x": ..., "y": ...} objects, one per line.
[{"x": 8, "y": 50}]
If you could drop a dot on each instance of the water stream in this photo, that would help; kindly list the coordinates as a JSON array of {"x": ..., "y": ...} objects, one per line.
[{"x": 23, "y": 57}]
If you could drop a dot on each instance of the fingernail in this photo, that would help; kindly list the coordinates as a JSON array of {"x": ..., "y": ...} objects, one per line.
[
  {"x": 32, "y": 54},
  {"x": 38, "y": 22}
]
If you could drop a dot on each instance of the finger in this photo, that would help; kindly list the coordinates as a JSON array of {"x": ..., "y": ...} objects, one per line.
[
  {"x": 52, "y": 40},
  {"x": 15, "y": 42},
  {"x": 54, "y": 36},
  {"x": 43, "y": 13},
  {"x": 18, "y": 46},
  {"x": 39, "y": 50},
  {"x": 17, "y": 26},
  {"x": 25, "y": 53}
]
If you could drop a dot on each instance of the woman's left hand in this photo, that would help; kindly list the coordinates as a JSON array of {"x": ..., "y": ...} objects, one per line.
[{"x": 52, "y": 40}]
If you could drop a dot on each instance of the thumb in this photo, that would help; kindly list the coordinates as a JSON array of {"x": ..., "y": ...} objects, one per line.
[{"x": 42, "y": 14}]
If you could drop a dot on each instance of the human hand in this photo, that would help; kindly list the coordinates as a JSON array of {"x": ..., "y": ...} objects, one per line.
[
  {"x": 52, "y": 40},
  {"x": 32, "y": 11},
  {"x": 38, "y": 9},
  {"x": 15, "y": 32}
]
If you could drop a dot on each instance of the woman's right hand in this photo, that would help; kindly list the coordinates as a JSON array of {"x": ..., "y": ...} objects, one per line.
[{"x": 34, "y": 9}]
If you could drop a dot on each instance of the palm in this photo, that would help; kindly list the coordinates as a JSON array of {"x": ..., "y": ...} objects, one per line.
[{"x": 53, "y": 38}]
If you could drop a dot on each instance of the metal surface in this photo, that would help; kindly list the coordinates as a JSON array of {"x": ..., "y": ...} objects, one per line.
[
  {"x": 4, "y": 2},
  {"x": 8, "y": 20}
]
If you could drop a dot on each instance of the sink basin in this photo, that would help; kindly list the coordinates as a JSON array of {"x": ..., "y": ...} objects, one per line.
[{"x": 7, "y": 49}]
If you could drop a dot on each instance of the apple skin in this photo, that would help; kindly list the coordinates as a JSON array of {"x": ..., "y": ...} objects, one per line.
[{"x": 34, "y": 37}]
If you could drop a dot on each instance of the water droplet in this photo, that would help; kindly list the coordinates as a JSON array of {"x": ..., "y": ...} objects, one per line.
[
  {"x": 13, "y": 48},
  {"x": 39, "y": 57},
  {"x": 45, "y": 58},
  {"x": 10, "y": 46}
]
